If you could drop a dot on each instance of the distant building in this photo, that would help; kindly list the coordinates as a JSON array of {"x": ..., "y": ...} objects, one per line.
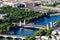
[
  {"x": 42, "y": 1},
  {"x": 8, "y": 3},
  {"x": 47, "y": 1},
  {"x": 1, "y": 3},
  {"x": 9, "y": 0},
  {"x": 28, "y": 3},
  {"x": 58, "y": 1}
]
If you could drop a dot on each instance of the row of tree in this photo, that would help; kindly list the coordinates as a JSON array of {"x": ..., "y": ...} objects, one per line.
[
  {"x": 40, "y": 33},
  {"x": 58, "y": 22},
  {"x": 4, "y": 27},
  {"x": 15, "y": 15},
  {"x": 51, "y": 5}
]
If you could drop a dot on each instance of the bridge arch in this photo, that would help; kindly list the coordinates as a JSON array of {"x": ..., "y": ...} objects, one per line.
[
  {"x": 2, "y": 37},
  {"x": 13, "y": 36}
]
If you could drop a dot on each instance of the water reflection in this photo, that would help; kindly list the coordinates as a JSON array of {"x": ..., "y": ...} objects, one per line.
[{"x": 25, "y": 32}]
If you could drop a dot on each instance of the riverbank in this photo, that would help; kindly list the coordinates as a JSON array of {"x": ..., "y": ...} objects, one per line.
[{"x": 57, "y": 14}]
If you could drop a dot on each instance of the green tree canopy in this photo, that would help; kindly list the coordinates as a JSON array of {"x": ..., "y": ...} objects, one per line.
[
  {"x": 39, "y": 33},
  {"x": 58, "y": 22},
  {"x": 30, "y": 38}
]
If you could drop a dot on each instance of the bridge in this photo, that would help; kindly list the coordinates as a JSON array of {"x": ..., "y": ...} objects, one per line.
[
  {"x": 32, "y": 26},
  {"x": 35, "y": 26},
  {"x": 13, "y": 36}
]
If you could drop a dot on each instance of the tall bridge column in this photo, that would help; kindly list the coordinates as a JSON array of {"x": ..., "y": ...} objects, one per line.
[
  {"x": 14, "y": 38},
  {"x": 51, "y": 24},
  {"x": 47, "y": 26},
  {"x": 23, "y": 38},
  {"x": 20, "y": 23},
  {"x": 24, "y": 22},
  {"x": 5, "y": 38}
]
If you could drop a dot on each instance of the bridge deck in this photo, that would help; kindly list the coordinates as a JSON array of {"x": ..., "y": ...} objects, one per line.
[{"x": 34, "y": 26}]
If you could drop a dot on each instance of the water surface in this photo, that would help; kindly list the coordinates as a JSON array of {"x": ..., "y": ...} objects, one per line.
[
  {"x": 29, "y": 32},
  {"x": 48, "y": 20}
]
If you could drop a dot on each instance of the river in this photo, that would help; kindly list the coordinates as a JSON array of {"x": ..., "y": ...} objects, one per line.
[
  {"x": 29, "y": 32},
  {"x": 48, "y": 20}
]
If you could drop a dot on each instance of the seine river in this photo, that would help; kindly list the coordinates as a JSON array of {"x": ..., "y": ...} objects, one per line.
[{"x": 29, "y": 32}]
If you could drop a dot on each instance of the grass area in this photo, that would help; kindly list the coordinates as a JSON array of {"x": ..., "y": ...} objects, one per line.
[
  {"x": 48, "y": 5},
  {"x": 51, "y": 5}
]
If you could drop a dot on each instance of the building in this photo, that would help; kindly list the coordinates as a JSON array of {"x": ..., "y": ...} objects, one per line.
[
  {"x": 47, "y": 1},
  {"x": 58, "y": 1},
  {"x": 1, "y": 3}
]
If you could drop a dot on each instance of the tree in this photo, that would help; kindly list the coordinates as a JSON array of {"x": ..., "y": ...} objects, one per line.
[
  {"x": 17, "y": 14},
  {"x": 21, "y": 14},
  {"x": 0, "y": 29},
  {"x": 58, "y": 22},
  {"x": 30, "y": 38},
  {"x": 39, "y": 33},
  {"x": 49, "y": 31},
  {"x": 48, "y": 12}
]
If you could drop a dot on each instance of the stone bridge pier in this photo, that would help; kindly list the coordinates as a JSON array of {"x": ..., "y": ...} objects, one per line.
[
  {"x": 5, "y": 38},
  {"x": 13, "y": 37}
]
